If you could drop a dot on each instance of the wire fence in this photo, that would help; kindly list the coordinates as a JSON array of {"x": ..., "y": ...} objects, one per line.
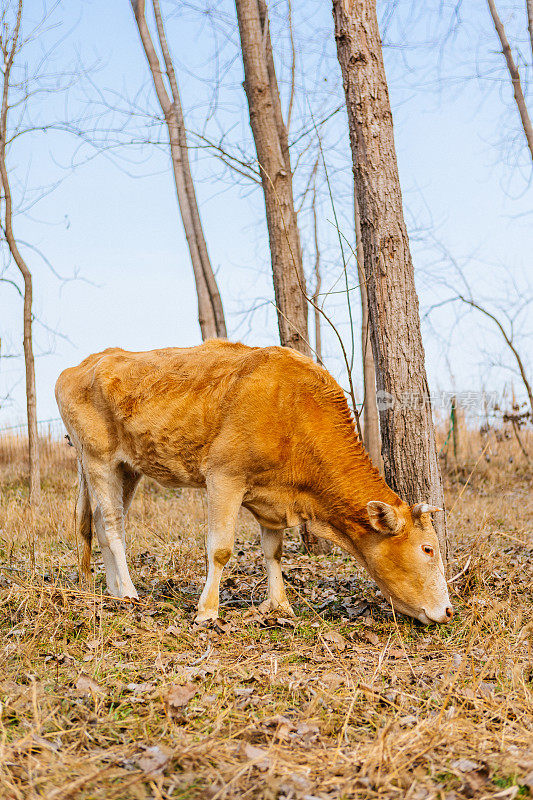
[{"x": 53, "y": 447}]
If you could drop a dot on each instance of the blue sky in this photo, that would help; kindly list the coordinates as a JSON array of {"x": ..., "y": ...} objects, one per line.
[{"x": 113, "y": 220}]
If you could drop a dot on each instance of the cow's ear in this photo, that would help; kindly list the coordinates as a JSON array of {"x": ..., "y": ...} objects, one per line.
[
  {"x": 423, "y": 508},
  {"x": 383, "y": 518}
]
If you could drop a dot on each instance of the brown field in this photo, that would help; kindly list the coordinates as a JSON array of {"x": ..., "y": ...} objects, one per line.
[{"x": 105, "y": 700}]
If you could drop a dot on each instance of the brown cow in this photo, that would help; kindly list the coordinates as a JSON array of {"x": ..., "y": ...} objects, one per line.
[{"x": 265, "y": 428}]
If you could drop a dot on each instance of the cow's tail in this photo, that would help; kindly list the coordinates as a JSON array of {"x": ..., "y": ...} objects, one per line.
[{"x": 84, "y": 519}]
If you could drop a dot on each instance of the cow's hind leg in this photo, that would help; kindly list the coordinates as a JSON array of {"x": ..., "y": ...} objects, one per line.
[
  {"x": 224, "y": 499},
  {"x": 272, "y": 544},
  {"x": 112, "y": 492}
]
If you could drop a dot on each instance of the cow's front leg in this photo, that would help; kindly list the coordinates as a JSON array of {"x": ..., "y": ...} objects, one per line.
[
  {"x": 272, "y": 544},
  {"x": 224, "y": 499}
]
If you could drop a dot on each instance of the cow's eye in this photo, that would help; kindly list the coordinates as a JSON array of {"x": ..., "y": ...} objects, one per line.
[{"x": 427, "y": 549}]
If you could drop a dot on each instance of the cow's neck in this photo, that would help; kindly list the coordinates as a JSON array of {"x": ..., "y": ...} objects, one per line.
[{"x": 345, "y": 481}]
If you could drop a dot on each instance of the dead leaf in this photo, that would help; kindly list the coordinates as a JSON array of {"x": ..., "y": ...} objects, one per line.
[
  {"x": 286, "y": 622},
  {"x": 336, "y": 639},
  {"x": 283, "y": 732},
  {"x": 306, "y": 732},
  {"x": 140, "y": 688},
  {"x": 476, "y": 781},
  {"x": 162, "y": 661},
  {"x": 295, "y": 781},
  {"x": 152, "y": 760},
  {"x": 219, "y": 626},
  {"x": 371, "y": 637},
  {"x": 395, "y": 652},
  {"x": 178, "y": 696},
  {"x": 407, "y": 721},
  {"x": 88, "y": 686},
  {"x": 332, "y": 680},
  {"x": 465, "y": 765},
  {"x": 243, "y": 691},
  {"x": 528, "y": 781},
  {"x": 258, "y": 755}
]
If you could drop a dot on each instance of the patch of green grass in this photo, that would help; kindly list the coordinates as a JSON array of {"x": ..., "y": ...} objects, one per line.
[
  {"x": 506, "y": 781},
  {"x": 446, "y": 777}
]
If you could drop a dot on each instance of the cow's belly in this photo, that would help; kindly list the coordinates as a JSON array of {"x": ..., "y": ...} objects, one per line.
[
  {"x": 169, "y": 468},
  {"x": 271, "y": 510},
  {"x": 171, "y": 477}
]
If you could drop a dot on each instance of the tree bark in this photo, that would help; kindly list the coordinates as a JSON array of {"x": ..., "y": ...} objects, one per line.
[
  {"x": 272, "y": 148},
  {"x": 318, "y": 284},
  {"x": 408, "y": 436},
  {"x": 371, "y": 434},
  {"x": 210, "y": 310},
  {"x": 9, "y": 50},
  {"x": 271, "y": 142},
  {"x": 513, "y": 72}
]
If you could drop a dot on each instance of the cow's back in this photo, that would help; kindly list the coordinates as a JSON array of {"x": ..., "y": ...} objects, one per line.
[{"x": 161, "y": 410}]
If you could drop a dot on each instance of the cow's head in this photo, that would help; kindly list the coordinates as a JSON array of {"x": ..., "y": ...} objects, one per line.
[{"x": 401, "y": 552}]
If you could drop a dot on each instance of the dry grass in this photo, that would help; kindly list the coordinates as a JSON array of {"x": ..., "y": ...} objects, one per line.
[{"x": 345, "y": 702}]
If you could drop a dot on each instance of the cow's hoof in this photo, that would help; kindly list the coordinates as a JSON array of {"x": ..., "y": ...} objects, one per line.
[
  {"x": 205, "y": 619},
  {"x": 269, "y": 606}
]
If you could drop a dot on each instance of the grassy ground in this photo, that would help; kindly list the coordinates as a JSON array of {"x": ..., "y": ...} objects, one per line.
[{"x": 105, "y": 701}]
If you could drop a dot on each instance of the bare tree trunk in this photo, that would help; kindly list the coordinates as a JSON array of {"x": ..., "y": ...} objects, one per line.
[
  {"x": 270, "y": 136},
  {"x": 513, "y": 72},
  {"x": 9, "y": 48},
  {"x": 408, "y": 436},
  {"x": 272, "y": 147},
  {"x": 210, "y": 311},
  {"x": 318, "y": 283},
  {"x": 371, "y": 435}
]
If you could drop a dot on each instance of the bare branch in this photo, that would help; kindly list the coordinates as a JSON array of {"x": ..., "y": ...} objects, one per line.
[
  {"x": 293, "y": 65},
  {"x": 529, "y": 5},
  {"x": 515, "y": 75},
  {"x": 508, "y": 341}
]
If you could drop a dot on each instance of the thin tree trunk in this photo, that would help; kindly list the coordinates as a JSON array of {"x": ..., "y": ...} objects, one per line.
[
  {"x": 210, "y": 311},
  {"x": 318, "y": 283},
  {"x": 270, "y": 136},
  {"x": 272, "y": 147},
  {"x": 371, "y": 435},
  {"x": 9, "y": 50},
  {"x": 408, "y": 436},
  {"x": 209, "y": 275},
  {"x": 513, "y": 72}
]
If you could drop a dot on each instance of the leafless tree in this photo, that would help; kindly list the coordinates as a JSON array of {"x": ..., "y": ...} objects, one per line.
[
  {"x": 210, "y": 310},
  {"x": 318, "y": 281},
  {"x": 371, "y": 434},
  {"x": 408, "y": 437},
  {"x": 272, "y": 147},
  {"x": 9, "y": 44},
  {"x": 513, "y": 69}
]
